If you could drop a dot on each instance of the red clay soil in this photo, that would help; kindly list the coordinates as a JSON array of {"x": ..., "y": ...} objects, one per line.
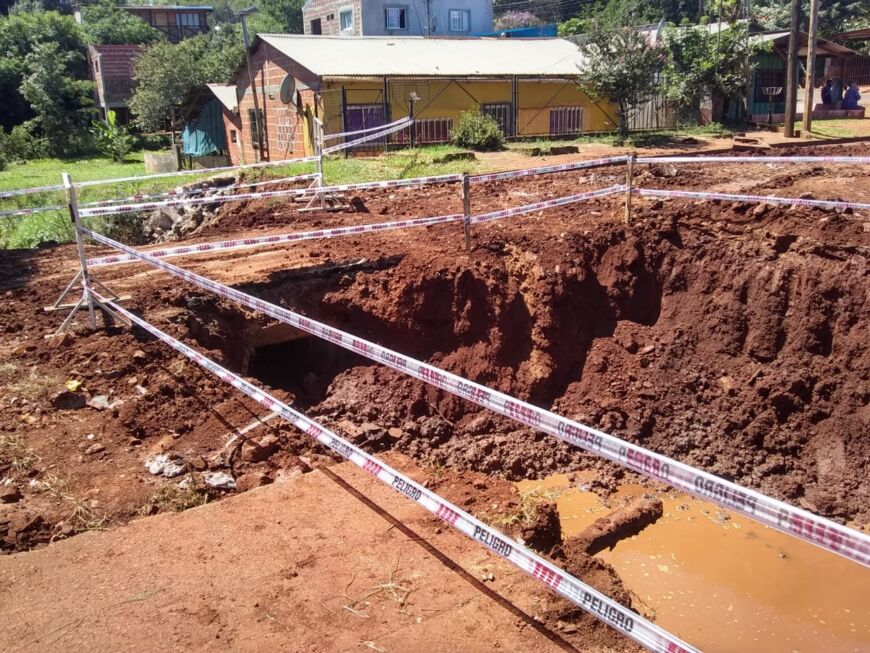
[{"x": 729, "y": 337}]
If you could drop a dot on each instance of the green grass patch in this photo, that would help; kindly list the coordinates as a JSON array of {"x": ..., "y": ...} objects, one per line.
[
  {"x": 659, "y": 138},
  {"x": 839, "y": 128},
  {"x": 54, "y": 226}
]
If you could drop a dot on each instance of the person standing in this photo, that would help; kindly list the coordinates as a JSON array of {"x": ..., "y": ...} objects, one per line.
[
  {"x": 828, "y": 93},
  {"x": 850, "y": 100}
]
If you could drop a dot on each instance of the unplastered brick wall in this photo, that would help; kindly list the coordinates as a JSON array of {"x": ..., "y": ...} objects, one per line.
[
  {"x": 283, "y": 127},
  {"x": 328, "y": 11}
]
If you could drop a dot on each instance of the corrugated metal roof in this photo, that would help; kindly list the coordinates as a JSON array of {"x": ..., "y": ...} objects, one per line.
[
  {"x": 226, "y": 94},
  {"x": 823, "y": 46},
  {"x": 415, "y": 56}
]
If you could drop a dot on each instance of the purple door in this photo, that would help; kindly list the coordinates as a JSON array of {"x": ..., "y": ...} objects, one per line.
[{"x": 364, "y": 116}]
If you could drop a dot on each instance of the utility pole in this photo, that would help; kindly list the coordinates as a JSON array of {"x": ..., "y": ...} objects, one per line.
[
  {"x": 791, "y": 72},
  {"x": 258, "y": 151},
  {"x": 811, "y": 67}
]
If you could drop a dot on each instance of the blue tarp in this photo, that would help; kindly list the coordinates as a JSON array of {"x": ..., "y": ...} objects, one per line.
[
  {"x": 535, "y": 31},
  {"x": 206, "y": 134}
]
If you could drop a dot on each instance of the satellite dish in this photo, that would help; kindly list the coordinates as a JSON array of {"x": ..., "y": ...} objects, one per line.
[{"x": 288, "y": 89}]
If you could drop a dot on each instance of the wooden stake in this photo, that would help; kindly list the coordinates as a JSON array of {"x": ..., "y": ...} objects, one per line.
[
  {"x": 629, "y": 182},
  {"x": 466, "y": 210}
]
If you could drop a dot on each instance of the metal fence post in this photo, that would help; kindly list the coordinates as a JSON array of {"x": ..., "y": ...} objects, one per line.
[
  {"x": 466, "y": 210},
  {"x": 629, "y": 184},
  {"x": 76, "y": 220}
]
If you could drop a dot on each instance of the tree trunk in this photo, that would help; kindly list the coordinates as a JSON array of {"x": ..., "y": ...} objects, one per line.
[{"x": 623, "y": 118}]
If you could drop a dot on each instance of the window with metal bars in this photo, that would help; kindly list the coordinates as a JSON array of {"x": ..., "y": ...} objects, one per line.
[
  {"x": 565, "y": 121},
  {"x": 254, "y": 123},
  {"x": 502, "y": 112}
]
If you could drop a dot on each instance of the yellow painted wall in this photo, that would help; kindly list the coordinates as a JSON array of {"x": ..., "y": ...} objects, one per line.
[{"x": 443, "y": 99}]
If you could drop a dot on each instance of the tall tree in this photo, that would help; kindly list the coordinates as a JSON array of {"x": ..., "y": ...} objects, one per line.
[
  {"x": 167, "y": 73},
  {"x": 287, "y": 14},
  {"x": 834, "y": 17},
  {"x": 105, "y": 23},
  {"x": 620, "y": 64},
  {"x": 63, "y": 105},
  {"x": 700, "y": 61},
  {"x": 20, "y": 35}
]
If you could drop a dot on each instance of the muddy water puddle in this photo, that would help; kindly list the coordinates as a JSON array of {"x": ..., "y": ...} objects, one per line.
[{"x": 725, "y": 583}]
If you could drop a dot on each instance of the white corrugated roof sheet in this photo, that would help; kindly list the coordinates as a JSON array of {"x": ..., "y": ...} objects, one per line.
[
  {"x": 227, "y": 95},
  {"x": 410, "y": 56}
]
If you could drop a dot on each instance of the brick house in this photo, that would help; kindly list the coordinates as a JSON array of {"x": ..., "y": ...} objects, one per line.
[
  {"x": 176, "y": 22},
  {"x": 397, "y": 17},
  {"x": 112, "y": 68},
  {"x": 529, "y": 86}
]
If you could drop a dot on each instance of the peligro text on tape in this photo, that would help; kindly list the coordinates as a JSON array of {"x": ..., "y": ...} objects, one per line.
[
  {"x": 400, "y": 121},
  {"x": 587, "y": 598},
  {"x": 365, "y": 139},
  {"x": 564, "y": 167},
  {"x": 856, "y": 160},
  {"x": 259, "y": 241},
  {"x": 822, "y": 532},
  {"x": 198, "y": 171},
  {"x": 546, "y": 204},
  {"x": 299, "y": 192},
  {"x": 759, "y": 199}
]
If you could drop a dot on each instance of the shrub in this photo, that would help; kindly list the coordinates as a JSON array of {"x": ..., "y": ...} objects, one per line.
[
  {"x": 477, "y": 131},
  {"x": 514, "y": 19},
  {"x": 154, "y": 142},
  {"x": 113, "y": 139},
  {"x": 23, "y": 144}
]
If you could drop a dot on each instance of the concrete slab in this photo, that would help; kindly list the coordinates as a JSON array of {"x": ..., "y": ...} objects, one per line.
[{"x": 304, "y": 565}]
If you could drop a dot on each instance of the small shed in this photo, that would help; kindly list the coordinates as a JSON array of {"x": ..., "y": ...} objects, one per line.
[{"x": 771, "y": 70}]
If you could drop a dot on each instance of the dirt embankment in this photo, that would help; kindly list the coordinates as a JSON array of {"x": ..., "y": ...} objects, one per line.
[
  {"x": 728, "y": 336},
  {"x": 741, "y": 353}
]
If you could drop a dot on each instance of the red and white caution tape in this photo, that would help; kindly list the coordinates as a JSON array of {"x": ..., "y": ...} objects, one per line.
[
  {"x": 281, "y": 180},
  {"x": 811, "y": 528},
  {"x": 364, "y": 139},
  {"x": 760, "y": 199},
  {"x": 199, "y": 171},
  {"x": 198, "y": 191},
  {"x": 31, "y": 211},
  {"x": 245, "y": 243},
  {"x": 582, "y": 595},
  {"x": 401, "y": 121},
  {"x": 755, "y": 159},
  {"x": 528, "y": 172},
  {"x": 547, "y": 204},
  {"x": 29, "y": 191},
  {"x": 221, "y": 199},
  {"x": 177, "y": 173}
]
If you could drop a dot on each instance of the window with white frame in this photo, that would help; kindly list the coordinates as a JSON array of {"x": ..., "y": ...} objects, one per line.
[
  {"x": 460, "y": 20},
  {"x": 395, "y": 18},
  {"x": 345, "y": 19}
]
